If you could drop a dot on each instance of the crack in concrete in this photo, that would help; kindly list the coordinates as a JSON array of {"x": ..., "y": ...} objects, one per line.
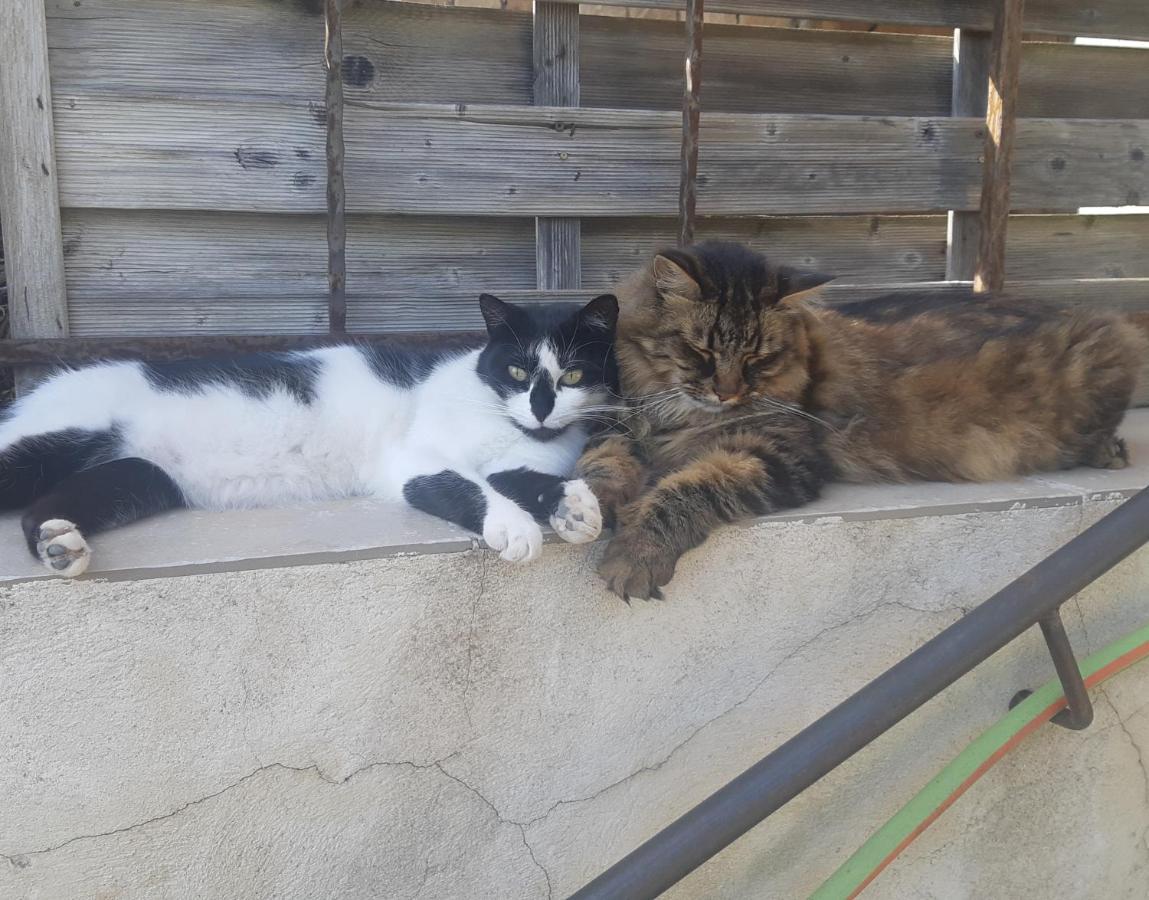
[
  {"x": 1132, "y": 742},
  {"x": 521, "y": 826},
  {"x": 482, "y": 556},
  {"x": 14, "y": 858},
  {"x": 745, "y": 699},
  {"x": 1081, "y": 622}
]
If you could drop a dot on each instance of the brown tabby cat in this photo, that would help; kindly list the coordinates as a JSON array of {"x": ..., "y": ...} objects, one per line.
[{"x": 747, "y": 394}]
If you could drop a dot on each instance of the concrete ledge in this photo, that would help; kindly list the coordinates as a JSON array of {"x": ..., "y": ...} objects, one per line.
[
  {"x": 191, "y": 542},
  {"x": 447, "y": 726}
]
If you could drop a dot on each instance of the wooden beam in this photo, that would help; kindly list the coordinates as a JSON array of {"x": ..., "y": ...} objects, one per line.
[
  {"x": 336, "y": 192},
  {"x": 1001, "y": 124},
  {"x": 29, "y": 203},
  {"x": 691, "y": 110},
  {"x": 558, "y": 241},
  {"x": 1127, "y": 295},
  {"x": 970, "y": 86},
  {"x": 1127, "y": 19}
]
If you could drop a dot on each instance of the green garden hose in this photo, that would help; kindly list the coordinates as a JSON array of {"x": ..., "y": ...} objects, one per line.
[{"x": 973, "y": 762}]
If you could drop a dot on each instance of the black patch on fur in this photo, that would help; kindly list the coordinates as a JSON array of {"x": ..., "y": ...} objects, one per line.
[
  {"x": 405, "y": 367},
  {"x": 449, "y": 496},
  {"x": 257, "y": 375},
  {"x": 103, "y": 497},
  {"x": 33, "y": 466},
  {"x": 537, "y": 493}
]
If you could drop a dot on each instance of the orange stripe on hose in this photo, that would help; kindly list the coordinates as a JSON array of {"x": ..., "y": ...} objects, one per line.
[{"x": 1044, "y": 716}]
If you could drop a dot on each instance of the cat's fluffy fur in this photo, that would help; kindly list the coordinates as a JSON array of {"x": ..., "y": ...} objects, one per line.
[
  {"x": 748, "y": 394},
  {"x": 484, "y": 437}
]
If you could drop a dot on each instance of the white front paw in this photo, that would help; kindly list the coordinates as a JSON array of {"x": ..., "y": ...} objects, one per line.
[
  {"x": 513, "y": 533},
  {"x": 62, "y": 549},
  {"x": 577, "y": 519}
]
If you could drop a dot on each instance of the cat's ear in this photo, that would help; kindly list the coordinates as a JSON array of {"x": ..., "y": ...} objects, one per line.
[
  {"x": 499, "y": 315},
  {"x": 798, "y": 281},
  {"x": 674, "y": 276},
  {"x": 601, "y": 314}
]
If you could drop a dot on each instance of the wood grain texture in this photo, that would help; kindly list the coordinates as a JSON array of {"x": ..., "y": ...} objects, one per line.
[
  {"x": 408, "y": 52},
  {"x": 637, "y": 64},
  {"x": 142, "y": 272},
  {"x": 556, "y": 56},
  {"x": 128, "y": 152},
  {"x": 336, "y": 189},
  {"x": 1000, "y": 129},
  {"x": 1099, "y": 18},
  {"x": 29, "y": 209},
  {"x": 857, "y": 248},
  {"x": 971, "y": 58}
]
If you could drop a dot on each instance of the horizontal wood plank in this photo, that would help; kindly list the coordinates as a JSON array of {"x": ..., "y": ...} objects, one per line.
[
  {"x": 1100, "y": 18},
  {"x": 636, "y": 64},
  {"x": 1129, "y": 296},
  {"x": 132, "y": 152},
  {"x": 402, "y": 52},
  {"x": 858, "y": 248},
  {"x": 143, "y": 272}
]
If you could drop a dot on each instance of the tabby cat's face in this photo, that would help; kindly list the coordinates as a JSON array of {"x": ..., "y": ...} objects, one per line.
[{"x": 724, "y": 338}]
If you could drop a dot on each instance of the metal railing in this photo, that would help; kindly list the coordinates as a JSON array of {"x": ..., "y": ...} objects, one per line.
[{"x": 1033, "y": 599}]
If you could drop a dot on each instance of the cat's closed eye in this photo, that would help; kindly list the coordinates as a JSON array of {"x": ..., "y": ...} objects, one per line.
[{"x": 764, "y": 361}]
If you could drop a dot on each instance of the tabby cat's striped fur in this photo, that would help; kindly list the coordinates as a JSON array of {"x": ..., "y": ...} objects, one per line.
[{"x": 747, "y": 394}]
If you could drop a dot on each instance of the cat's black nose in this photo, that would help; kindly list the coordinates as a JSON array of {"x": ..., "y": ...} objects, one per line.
[{"x": 542, "y": 398}]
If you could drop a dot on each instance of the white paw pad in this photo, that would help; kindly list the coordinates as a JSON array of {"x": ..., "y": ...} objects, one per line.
[
  {"x": 577, "y": 519},
  {"x": 62, "y": 549},
  {"x": 513, "y": 533}
]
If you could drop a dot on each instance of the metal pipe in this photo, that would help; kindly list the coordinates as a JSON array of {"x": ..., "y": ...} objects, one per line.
[
  {"x": 775, "y": 780},
  {"x": 1078, "y": 712}
]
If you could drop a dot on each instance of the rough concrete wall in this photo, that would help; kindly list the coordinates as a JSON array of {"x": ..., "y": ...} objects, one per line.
[{"x": 448, "y": 726}]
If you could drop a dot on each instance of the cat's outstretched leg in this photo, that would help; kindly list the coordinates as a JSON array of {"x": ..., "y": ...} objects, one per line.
[
  {"x": 614, "y": 473},
  {"x": 744, "y": 474},
  {"x": 570, "y": 507},
  {"x": 504, "y": 525},
  {"x": 57, "y": 524}
]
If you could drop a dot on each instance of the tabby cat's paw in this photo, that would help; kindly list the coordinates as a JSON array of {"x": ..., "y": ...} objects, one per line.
[
  {"x": 577, "y": 518},
  {"x": 637, "y": 564},
  {"x": 512, "y": 532},
  {"x": 62, "y": 549}
]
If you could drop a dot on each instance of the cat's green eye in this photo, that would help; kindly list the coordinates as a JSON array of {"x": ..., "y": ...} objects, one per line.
[
  {"x": 517, "y": 372},
  {"x": 571, "y": 377}
]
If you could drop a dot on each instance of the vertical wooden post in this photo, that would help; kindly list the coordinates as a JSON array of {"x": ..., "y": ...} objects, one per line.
[
  {"x": 558, "y": 241},
  {"x": 970, "y": 87},
  {"x": 1000, "y": 124},
  {"x": 691, "y": 109},
  {"x": 336, "y": 194},
  {"x": 29, "y": 201}
]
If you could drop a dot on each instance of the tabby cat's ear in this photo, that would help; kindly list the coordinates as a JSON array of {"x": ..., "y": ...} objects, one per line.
[
  {"x": 674, "y": 276},
  {"x": 797, "y": 281},
  {"x": 601, "y": 314},
  {"x": 499, "y": 315}
]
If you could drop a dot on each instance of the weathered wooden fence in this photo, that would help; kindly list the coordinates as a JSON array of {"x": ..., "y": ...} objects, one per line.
[{"x": 174, "y": 177}]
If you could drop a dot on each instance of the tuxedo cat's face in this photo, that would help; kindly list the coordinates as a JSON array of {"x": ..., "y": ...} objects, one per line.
[{"x": 550, "y": 366}]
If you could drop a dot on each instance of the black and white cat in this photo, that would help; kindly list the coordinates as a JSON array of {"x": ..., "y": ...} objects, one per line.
[{"x": 482, "y": 437}]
